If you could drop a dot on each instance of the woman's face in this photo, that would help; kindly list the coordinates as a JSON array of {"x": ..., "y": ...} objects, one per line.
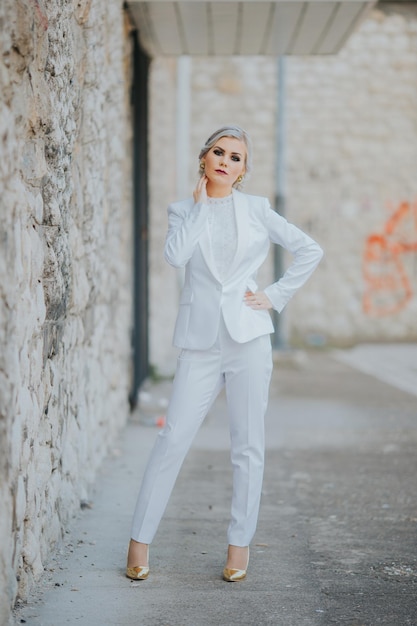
[{"x": 225, "y": 162}]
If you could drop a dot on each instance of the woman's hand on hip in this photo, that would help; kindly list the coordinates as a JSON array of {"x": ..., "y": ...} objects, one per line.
[
  {"x": 258, "y": 301},
  {"x": 200, "y": 192}
]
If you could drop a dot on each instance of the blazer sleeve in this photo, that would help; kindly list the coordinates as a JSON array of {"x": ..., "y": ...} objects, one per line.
[
  {"x": 184, "y": 230},
  {"x": 306, "y": 256}
]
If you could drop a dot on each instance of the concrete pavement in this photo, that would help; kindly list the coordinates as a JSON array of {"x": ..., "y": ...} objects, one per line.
[
  {"x": 395, "y": 364},
  {"x": 336, "y": 540}
]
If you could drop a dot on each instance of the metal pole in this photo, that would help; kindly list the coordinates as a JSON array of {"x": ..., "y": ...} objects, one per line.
[
  {"x": 279, "y": 339},
  {"x": 183, "y": 125},
  {"x": 140, "y": 331},
  {"x": 183, "y": 115}
]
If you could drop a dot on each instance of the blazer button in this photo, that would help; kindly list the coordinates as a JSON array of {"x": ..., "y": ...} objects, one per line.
[{"x": 219, "y": 288}]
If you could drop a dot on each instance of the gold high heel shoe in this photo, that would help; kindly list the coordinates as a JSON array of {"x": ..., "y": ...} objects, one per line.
[
  {"x": 139, "y": 572},
  {"x": 234, "y": 575}
]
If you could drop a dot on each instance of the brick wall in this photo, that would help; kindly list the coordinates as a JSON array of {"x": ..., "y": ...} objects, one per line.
[
  {"x": 65, "y": 258},
  {"x": 352, "y": 181}
]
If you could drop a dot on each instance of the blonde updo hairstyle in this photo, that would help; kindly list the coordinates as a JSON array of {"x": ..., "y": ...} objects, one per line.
[{"x": 237, "y": 133}]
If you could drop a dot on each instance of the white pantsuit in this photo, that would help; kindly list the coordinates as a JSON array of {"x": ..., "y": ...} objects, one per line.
[
  {"x": 245, "y": 371},
  {"x": 224, "y": 343}
]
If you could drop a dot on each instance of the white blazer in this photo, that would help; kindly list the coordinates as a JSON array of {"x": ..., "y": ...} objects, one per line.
[{"x": 204, "y": 296}]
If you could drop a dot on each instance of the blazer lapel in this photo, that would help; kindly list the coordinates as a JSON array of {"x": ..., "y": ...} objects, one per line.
[{"x": 207, "y": 252}]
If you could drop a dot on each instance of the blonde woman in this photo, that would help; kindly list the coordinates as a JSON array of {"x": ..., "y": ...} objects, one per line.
[{"x": 221, "y": 236}]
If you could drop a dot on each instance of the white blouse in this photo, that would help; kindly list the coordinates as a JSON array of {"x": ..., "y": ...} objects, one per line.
[{"x": 223, "y": 232}]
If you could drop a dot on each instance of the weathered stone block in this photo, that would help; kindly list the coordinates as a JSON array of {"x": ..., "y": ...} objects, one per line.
[{"x": 33, "y": 161}]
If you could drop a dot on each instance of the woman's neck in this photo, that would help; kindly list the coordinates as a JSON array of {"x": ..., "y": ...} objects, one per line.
[{"x": 215, "y": 191}]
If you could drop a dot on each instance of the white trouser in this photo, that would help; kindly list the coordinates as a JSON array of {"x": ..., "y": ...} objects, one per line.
[{"x": 245, "y": 369}]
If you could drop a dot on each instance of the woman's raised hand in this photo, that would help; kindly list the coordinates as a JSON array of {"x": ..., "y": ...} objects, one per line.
[{"x": 200, "y": 192}]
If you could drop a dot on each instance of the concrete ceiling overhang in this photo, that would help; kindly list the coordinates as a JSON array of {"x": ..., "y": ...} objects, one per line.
[{"x": 248, "y": 27}]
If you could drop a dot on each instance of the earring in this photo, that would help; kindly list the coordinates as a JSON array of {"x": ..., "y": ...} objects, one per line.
[
  {"x": 239, "y": 178},
  {"x": 202, "y": 166}
]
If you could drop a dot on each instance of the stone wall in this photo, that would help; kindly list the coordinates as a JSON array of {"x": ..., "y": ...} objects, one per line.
[
  {"x": 351, "y": 177},
  {"x": 65, "y": 259}
]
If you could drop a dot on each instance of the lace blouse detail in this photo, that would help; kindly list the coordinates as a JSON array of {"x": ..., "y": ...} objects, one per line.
[{"x": 223, "y": 232}]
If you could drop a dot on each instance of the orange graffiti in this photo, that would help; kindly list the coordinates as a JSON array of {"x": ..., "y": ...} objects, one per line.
[{"x": 387, "y": 286}]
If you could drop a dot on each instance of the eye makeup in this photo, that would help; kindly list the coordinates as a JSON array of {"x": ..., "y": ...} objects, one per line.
[{"x": 235, "y": 155}]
